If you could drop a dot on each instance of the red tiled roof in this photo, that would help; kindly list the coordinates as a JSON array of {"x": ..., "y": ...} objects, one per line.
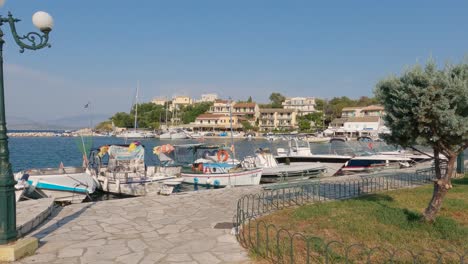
[
  {"x": 373, "y": 108},
  {"x": 246, "y": 105}
]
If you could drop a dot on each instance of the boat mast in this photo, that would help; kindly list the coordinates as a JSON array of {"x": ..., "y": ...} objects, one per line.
[
  {"x": 230, "y": 122},
  {"x": 136, "y": 106}
]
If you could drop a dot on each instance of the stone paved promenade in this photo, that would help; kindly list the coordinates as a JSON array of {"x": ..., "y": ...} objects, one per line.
[{"x": 154, "y": 229}]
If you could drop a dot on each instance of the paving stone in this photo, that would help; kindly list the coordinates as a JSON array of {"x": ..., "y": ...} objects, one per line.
[
  {"x": 152, "y": 229},
  {"x": 178, "y": 257},
  {"x": 70, "y": 252},
  {"x": 152, "y": 258},
  {"x": 205, "y": 257},
  {"x": 133, "y": 258},
  {"x": 137, "y": 245}
]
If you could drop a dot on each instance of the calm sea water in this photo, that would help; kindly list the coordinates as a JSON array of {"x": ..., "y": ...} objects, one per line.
[
  {"x": 45, "y": 152},
  {"x": 49, "y": 152}
]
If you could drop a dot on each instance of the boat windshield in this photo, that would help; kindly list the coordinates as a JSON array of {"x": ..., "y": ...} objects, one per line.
[{"x": 189, "y": 154}]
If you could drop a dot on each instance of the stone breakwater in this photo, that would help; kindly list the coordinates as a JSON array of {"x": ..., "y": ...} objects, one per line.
[{"x": 33, "y": 134}]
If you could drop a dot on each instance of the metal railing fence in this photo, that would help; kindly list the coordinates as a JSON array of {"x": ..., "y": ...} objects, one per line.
[{"x": 281, "y": 246}]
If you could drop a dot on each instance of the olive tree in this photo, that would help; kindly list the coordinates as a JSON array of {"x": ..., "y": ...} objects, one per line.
[{"x": 428, "y": 106}]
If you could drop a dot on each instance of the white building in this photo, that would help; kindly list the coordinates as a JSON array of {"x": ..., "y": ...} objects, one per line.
[
  {"x": 304, "y": 105},
  {"x": 208, "y": 97},
  {"x": 159, "y": 101},
  {"x": 370, "y": 124}
]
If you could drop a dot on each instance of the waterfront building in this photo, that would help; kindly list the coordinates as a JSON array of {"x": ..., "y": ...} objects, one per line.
[
  {"x": 277, "y": 118},
  {"x": 304, "y": 105},
  {"x": 215, "y": 122},
  {"x": 208, "y": 97},
  {"x": 246, "y": 109},
  {"x": 373, "y": 110},
  {"x": 221, "y": 107},
  {"x": 179, "y": 101},
  {"x": 159, "y": 101},
  {"x": 351, "y": 112}
]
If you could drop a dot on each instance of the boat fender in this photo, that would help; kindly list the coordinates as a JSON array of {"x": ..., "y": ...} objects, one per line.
[
  {"x": 208, "y": 181},
  {"x": 223, "y": 155},
  {"x": 105, "y": 187},
  {"x": 206, "y": 154},
  {"x": 195, "y": 180},
  {"x": 117, "y": 186},
  {"x": 216, "y": 183}
]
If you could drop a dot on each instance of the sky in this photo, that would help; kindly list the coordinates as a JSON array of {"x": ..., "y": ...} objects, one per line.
[{"x": 241, "y": 48}]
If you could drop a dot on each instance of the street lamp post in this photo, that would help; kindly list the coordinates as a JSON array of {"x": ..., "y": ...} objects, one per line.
[{"x": 31, "y": 41}]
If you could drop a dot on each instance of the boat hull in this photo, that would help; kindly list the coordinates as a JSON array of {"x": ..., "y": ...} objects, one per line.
[
  {"x": 292, "y": 172},
  {"x": 241, "y": 178},
  {"x": 140, "y": 187},
  {"x": 61, "y": 184}
]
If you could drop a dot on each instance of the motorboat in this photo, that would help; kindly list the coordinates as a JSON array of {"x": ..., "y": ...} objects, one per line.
[
  {"x": 213, "y": 165},
  {"x": 174, "y": 134},
  {"x": 376, "y": 162},
  {"x": 65, "y": 184},
  {"x": 300, "y": 152},
  {"x": 121, "y": 169},
  {"x": 275, "y": 172}
]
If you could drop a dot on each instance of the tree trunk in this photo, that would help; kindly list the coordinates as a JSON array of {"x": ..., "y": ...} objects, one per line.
[{"x": 442, "y": 184}]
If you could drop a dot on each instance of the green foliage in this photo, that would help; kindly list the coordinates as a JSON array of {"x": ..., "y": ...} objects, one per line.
[
  {"x": 319, "y": 104},
  {"x": 276, "y": 100},
  {"x": 246, "y": 125},
  {"x": 122, "y": 119},
  {"x": 427, "y": 106},
  {"x": 304, "y": 125},
  {"x": 250, "y": 99},
  {"x": 189, "y": 113},
  {"x": 104, "y": 126}
]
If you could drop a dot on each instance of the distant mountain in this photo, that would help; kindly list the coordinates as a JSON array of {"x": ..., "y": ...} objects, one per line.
[{"x": 71, "y": 122}]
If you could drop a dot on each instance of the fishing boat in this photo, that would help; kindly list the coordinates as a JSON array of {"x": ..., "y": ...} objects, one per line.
[
  {"x": 300, "y": 152},
  {"x": 275, "y": 172},
  {"x": 65, "y": 184},
  {"x": 214, "y": 165},
  {"x": 121, "y": 169}
]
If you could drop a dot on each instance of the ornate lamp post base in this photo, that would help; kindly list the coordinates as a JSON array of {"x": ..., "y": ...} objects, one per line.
[{"x": 18, "y": 249}]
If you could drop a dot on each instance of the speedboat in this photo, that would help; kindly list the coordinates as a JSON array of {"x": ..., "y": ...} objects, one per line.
[
  {"x": 376, "y": 162},
  {"x": 300, "y": 152},
  {"x": 65, "y": 184},
  {"x": 213, "y": 165},
  {"x": 121, "y": 169},
  {"x": 274, "y": 172}
]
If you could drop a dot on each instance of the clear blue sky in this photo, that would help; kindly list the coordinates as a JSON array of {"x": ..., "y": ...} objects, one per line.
[{"x": 235, "y": 48}]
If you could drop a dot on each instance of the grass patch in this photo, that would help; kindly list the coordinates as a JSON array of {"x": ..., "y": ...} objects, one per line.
[{"x": 390, "y": 219}]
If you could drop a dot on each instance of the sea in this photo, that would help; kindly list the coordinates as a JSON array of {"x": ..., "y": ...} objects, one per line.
[{"x": 50, "y": 152}]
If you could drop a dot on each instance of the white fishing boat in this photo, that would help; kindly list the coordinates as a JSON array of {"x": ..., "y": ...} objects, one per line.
[
  {"x": 65, "y": 184},
  {"x": 121, "y": 169},
  {"x": 274, "y": 172},
  {"x": 214, "y": 165}
]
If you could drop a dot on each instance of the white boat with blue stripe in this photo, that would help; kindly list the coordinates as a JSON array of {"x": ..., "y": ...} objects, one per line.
[{"x": 67, "y": 184}]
